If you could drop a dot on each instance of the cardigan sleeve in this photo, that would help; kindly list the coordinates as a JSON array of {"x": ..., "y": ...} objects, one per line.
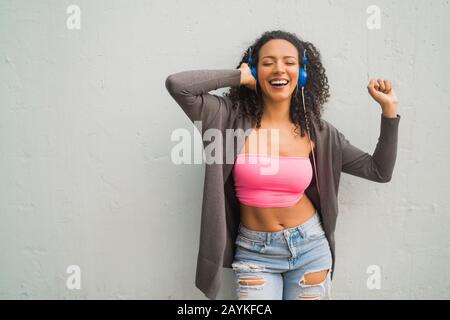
[
  {"x": 379, "y": 166},
  {"x": 190, "y": 90}
]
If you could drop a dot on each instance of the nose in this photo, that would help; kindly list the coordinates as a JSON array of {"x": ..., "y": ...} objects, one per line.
[{"x": 279, "y": 67}]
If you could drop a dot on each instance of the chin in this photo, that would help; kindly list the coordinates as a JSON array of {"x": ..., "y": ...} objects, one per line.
[{"x": 279, "y": 96}]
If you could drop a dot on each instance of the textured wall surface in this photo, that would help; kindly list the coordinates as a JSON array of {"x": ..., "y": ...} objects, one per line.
[{"x": 85, "y": 122}]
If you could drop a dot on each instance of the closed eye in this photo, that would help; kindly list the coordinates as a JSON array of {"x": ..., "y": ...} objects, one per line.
[{"x": 268, "y": 64}]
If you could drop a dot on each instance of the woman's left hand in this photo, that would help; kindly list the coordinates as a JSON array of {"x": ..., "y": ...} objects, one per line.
[{"x": 383, "y": 93}]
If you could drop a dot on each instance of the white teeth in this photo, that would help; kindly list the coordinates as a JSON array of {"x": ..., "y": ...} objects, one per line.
[{"x": 279, "y": 82}]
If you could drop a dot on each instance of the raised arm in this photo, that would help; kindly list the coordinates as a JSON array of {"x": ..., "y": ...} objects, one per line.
[
  {"x": 190, "y": 90},
  {"x": 379, "y": 166}
]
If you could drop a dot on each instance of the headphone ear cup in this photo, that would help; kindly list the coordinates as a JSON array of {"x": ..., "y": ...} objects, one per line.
[
  {"x": 302, "y": 77},
  {"x": 254, "y": 73},
  {"x": 252, "y": 68}
]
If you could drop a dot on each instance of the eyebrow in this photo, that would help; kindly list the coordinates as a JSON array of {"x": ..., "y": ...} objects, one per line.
[{"x": 274, "y": 57}]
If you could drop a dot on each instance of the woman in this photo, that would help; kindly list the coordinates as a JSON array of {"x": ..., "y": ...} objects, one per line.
[{"x": 282, "y": 227}]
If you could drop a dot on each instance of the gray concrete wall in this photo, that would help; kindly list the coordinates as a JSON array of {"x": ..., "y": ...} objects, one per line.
[{"x": 85, "y": 122}]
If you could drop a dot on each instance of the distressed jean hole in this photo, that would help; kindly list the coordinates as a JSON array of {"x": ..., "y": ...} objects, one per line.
[
  {"x": 313, "y": 285},
  {"x": 305, "y": 297},
  {"x": 247, "y": 267},
  {"x": 251, "y": 281},
  {"x": 314, "y": 278}
]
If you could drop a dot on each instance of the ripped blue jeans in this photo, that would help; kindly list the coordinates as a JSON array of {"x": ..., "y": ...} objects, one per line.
[{"x": 294, "y": 263}]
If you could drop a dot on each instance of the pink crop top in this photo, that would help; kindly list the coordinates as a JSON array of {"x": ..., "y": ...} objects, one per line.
[{"x": 271, "y": 181}]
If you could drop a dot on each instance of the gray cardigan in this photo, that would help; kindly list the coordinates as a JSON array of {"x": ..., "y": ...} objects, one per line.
[{"x": 220, "y": 215}]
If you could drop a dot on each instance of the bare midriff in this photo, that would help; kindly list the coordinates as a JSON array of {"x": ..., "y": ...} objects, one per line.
[{"x": 277, "y": 219}]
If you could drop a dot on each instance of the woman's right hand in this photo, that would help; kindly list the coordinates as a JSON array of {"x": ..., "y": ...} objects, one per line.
[{"x": 247, "y": 78}]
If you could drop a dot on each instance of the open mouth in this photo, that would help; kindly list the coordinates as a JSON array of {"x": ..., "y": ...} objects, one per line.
[{"x": 279, "y": 83}]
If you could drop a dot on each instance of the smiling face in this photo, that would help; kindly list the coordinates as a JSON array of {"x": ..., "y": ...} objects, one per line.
[{"x": 278, "y": 59}]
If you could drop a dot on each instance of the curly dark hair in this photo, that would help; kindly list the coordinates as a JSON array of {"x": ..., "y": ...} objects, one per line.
[{"x": 316, "y": 90}]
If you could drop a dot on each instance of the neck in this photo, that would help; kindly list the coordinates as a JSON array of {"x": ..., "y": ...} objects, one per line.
[{"x": 276, "y": 111}]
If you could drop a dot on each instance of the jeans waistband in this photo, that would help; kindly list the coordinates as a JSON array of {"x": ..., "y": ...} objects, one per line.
[{"x": 264, "y": 235}]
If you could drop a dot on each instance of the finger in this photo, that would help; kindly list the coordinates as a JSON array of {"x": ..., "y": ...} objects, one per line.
[
  {"x": 371, "y": 83},
  {"x": 388, "y": 85},
  {"x": 385, "y": 86},
  {"x": 375, "y": 84},
  {"x": 381, "y": 84},
  {"x": 254, "y": 84},
  {"x": 372, "y": 87}
]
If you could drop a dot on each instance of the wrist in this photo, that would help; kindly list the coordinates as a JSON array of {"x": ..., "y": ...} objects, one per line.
[
  {"x": 389, "y": 111},
  {"x": 390, "y": 114}
]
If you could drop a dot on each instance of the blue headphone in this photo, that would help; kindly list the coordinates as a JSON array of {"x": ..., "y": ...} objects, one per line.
[{"x": 302, "y": 75}]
